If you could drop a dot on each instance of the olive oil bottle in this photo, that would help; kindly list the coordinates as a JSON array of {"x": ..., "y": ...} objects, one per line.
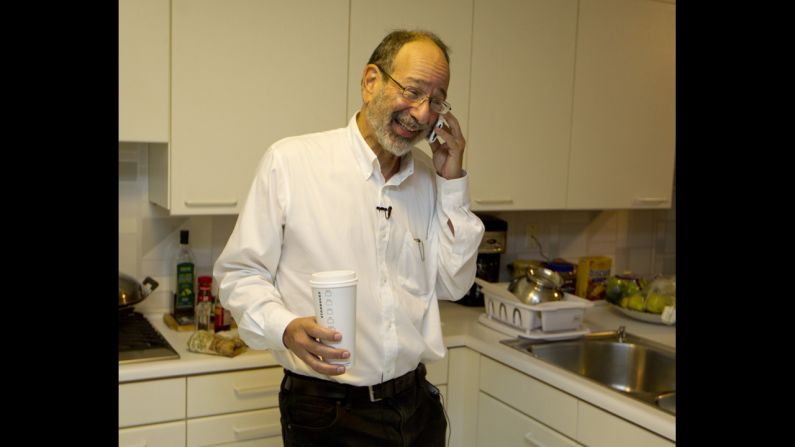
[{"x": 185, "y": 292}]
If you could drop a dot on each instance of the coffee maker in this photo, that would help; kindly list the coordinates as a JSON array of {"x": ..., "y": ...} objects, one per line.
[{"x": 488, "y": 261}]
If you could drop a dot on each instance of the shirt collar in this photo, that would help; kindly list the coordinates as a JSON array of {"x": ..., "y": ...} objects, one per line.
[{"x": 368, "y": 162}]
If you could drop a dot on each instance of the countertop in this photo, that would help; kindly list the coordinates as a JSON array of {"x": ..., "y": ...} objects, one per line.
[{"x": 461, "y": 329}]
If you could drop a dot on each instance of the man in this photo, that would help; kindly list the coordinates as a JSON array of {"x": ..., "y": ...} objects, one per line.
[{"x": 360, "y": 198}]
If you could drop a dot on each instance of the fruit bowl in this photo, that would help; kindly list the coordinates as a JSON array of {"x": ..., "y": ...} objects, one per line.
[{"x": 642, "y": 316}]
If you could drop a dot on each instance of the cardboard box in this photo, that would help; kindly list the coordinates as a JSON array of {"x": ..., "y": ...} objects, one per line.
[{"x": 592, "y": 274}]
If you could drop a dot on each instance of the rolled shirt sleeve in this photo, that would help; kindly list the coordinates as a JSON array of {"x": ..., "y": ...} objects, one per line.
[
  {"x": 458, "y": 248},
  {"x": 246, "y": 268}
]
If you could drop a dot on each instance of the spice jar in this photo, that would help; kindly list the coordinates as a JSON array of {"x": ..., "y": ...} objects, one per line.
[{"x": 204, "y": 304}]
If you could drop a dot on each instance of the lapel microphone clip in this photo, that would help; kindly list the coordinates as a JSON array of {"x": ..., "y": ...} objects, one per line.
[{"x": 387, "y": 210}]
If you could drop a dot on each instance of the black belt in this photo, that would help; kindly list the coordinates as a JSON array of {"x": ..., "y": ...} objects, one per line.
[{"x": 332, "y": 390}]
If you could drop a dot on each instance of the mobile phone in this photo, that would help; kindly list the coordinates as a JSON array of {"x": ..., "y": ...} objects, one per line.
[{"x": 439, "y": 123}]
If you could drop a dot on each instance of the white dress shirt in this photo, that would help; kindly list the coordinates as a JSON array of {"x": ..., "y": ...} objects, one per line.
[{"x": 312, "y": 207}]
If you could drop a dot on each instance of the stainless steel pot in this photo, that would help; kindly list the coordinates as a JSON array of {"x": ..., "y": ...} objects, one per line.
[
  {"x": 539, "y": 285},
  {"x": 132, "y": 292}
]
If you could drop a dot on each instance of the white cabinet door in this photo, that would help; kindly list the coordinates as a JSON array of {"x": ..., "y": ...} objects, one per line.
[
  {"x": 598, "y": 428},
  {"x": 143, "y": 70},
  {"x": 520, "y": 113},
  {"x": 245, "y": 74},
  {"x": 462, "y": 396},
  {"x": 451, "y": 20},
  {"x": 501, "y": 425},
  {"x": 254, "y": 428},
  {"x": 234, "y": 391},
  {"x": 624, "y": 129},
  {"x": 530, "y": 396},
  {"x": 151, "y": 401},
  {"x": 170, "y": 434}
]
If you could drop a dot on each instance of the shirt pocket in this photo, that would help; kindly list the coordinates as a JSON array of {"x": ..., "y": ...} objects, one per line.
[{"x": 412, "y": 267}]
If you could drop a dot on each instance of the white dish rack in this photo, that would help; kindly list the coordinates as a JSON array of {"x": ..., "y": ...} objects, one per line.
[{"x": 551, "y": 319}]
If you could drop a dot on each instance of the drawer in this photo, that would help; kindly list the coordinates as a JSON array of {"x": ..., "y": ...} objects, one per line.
[
  {"x": 501, "y": 425},
  {"x": 169, "y": 434},
  {"x": 530, "y": 396},
  {"x": 598, "y": 428},
  {"x": 251, "y": 428},
  {"x": 151, "y": 401},
  {"x": 235, "y": 391},
  {"x": 437, "y": 371}
]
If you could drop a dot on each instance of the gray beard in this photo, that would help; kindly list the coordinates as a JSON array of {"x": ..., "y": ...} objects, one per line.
[{"x": 379, "y": 119}]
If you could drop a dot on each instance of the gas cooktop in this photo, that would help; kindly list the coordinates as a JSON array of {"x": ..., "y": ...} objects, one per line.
[{"x": 139, "y": 341}]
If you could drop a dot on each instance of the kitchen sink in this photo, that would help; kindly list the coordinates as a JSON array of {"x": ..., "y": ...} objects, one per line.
[{"x": 631, "y": 365}]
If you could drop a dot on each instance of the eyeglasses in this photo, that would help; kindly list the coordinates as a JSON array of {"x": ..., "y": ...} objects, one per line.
[{"x": 417, "y": 97}]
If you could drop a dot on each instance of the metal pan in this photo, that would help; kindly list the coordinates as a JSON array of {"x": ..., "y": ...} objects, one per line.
[{"x": 132, "y": 292}]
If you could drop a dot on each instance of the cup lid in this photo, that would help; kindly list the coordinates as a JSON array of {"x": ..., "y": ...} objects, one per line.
[{"x": 333, "y": 276}]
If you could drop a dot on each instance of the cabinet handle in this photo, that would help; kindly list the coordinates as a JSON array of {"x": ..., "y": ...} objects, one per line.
[
  {"x": 211, "y": 203},
  {"x": 532, "y": 440},
  {"x": 248, "y": 390},
  {"x": 260, "y": 431},
  {"x": 649, "y": 201},
  {"x": 493, "y": 201}
]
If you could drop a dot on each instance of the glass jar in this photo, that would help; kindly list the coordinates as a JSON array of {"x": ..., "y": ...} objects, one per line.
[{"x": 204, "y": 304}]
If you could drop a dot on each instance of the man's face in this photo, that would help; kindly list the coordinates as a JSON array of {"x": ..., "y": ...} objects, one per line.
[
  {"x": 398, "y": 124},
  {"x": 382, "y": 112}
]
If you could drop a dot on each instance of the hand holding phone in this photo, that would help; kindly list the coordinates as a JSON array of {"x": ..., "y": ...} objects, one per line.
[{"x": 439, "y": 123}]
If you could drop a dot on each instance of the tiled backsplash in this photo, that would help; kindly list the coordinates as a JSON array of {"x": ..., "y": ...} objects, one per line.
[{"x": 642, "y": 241}]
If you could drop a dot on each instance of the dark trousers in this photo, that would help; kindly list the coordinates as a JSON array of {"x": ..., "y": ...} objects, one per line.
[{"x": 346, "y": 416}]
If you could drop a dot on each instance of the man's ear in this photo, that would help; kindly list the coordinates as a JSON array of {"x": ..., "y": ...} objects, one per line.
[{"x": 370, "y": 78}]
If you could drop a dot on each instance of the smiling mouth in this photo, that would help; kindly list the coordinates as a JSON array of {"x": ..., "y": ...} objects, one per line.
[{"x": 405, "y": 131}]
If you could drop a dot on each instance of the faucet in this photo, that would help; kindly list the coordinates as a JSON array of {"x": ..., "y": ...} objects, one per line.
[{"x": 622, "y": 334}]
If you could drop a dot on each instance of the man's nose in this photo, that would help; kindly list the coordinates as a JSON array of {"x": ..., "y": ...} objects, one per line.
[{"x": 422, "y": 112}]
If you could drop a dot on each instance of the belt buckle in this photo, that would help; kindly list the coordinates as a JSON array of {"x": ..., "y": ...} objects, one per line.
[{"x": 372, "y": 396}]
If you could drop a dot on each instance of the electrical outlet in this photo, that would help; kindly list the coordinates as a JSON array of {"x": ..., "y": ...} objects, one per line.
[{"x": 530, "y": 231}]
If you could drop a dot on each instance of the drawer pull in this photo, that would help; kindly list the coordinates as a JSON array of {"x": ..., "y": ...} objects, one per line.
[
  {"x": 259, "y": 431},
  {"x": 650, "y": 201},
  {"x": 249, "y": 390},
  {"x": 532, "y": 440},
  {"x": 211, "y": 203},
  {"x": 493, "y": 201}
]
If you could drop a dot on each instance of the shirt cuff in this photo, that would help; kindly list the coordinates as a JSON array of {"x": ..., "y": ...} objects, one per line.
[
  {"x": 453, "y": 193},
  {"x": 267, "y": 331}
]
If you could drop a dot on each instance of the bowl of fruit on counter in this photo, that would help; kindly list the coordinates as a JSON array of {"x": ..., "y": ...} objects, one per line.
[{"x": 650, "y": 301}]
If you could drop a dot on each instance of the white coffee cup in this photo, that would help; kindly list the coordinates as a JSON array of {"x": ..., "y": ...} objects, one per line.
[{"x": 334, "y": 296}]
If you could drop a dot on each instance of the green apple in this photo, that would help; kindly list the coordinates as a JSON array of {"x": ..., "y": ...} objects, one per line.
[
  {"x": 624, "y": 302},
  {"x": 656, "y": 302},
  {"x": 636, "y": 302},
  {"x": 632, "y": 288}
]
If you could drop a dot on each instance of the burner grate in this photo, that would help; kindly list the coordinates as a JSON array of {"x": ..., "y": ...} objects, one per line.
[{"x": 139, "y": 341}]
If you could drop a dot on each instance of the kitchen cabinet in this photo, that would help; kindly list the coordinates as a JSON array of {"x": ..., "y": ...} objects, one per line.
[
  {"x": 151, "y": 401},
  {"x": 499, "y": 424},
  {"x": 244, "y": 74},
  {"x": 155, "y": 435},
  {"x": 238, "y": 408},
  {"x": 152, "y": 412},
  {"x": 539, "y": 401},
  {"x": 230, "y": 408},
  {"x": 369, "y": 24},
  {"x": 462, "y": 386},
  {"x": 624, "y": 118},
  {"x": 572, "y": 104},
  {"x": 143, "y": 70},
  {"x": 523, "y": 56},
  {"x": 516, "y": 408},
  {"x": 234, "y": 407}
]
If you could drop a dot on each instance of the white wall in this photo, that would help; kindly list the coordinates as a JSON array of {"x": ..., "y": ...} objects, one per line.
[{"x": 642, "y": 241}]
